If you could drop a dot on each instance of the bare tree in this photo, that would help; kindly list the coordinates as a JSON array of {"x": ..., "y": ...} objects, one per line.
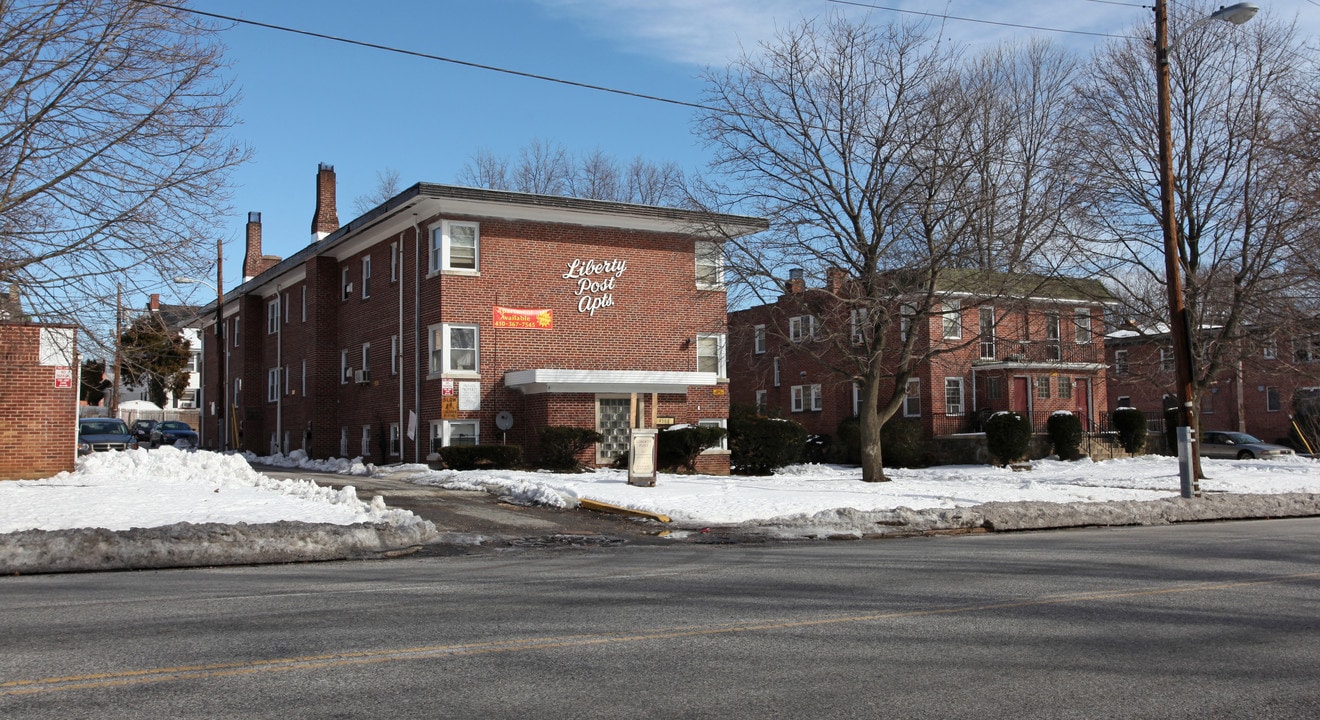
[
  {"x": 113, "y": 158},
  {"x": 1246, "y": 208},
  {"x": 550, "y": 169},
  {"x": 543, "y": 168},
  {"x": 882, "y": 157},
  {"x": 388, "y": 184},
  {"x": 486, "y": 170}
]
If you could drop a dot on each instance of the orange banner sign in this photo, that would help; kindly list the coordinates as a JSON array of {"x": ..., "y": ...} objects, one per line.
[{"x": 536, "y": 319}]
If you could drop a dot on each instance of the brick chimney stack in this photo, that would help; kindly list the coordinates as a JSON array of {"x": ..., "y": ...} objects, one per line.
[
  {"x": 326, "y": 219},
  {"x": 836, "y": 280},
  {"x": 154, "y": 303},
  {"x": 252, "y": 258}
]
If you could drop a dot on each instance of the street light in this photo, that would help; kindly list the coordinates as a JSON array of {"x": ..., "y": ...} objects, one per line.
[
  {"x": 1179, "y": 327},
  {"x": 220, "y": 351}
]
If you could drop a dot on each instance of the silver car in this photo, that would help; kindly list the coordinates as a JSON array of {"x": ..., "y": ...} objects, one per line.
[{"x": 1223, "y": 444}]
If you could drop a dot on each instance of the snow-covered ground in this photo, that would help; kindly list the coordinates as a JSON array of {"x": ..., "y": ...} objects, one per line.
[{"x": 171, "y": 488}]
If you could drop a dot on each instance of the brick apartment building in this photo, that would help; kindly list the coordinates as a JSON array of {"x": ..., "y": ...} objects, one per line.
[
  {"x": 38, "y": 396},
  {"x": 1254, "y": 396},
  {"x": 1034, "y": 346},
  {"x": 451, "y": 315}
]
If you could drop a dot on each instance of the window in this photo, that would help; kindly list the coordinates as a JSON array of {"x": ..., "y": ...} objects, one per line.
[
  {"x": 758, "y": 339},
  {"x": 343, "y": 441},
  {"x": 1120, "y": 362},
  {"x": 860, "y": 326},
  {"x": 953, "y": 396},
  {"x": 817, "y": 401},
  {"x": 951, "y": 319},
  {"x": 795, "y": 395},
  {"x": 394, "y": 265},
  {"x": 710, "y": 353},
  {"x": 987, "y": 332},
  {"x": 856, "y": 400},
  {"x": 366, "y": 356},
  {"x": 776, "y": 379},
  {"x": 366, "y": 277},
  {"x": 1166, "y": 360},
  {"x": 286, "y": 308},
  {"x": 906, "y": 314},
  {"x": 394, "y": 354},
  {"x": 1124, "y": 401},
  {"x": 235, "y": 331},
  {"x": 194, "y": 362},
  {"x": 455, "y": 246},
  {"x": 912, "y": 402},
  {"x": 454, "y": 349},
  {"x": 1270, "y": 349},
  {"x": 1306, "y": 350},
  {"x": 366, "y": 441},
  {"x": 238, "y": 389},
  {"x": 806, "y": 397},
  {"x": 994, "y": 387},
  {"x": 719, "y": 423},
  {"x": 396, "y": 440},
  {"x": 760, "y": 401},
  {"x": 272, "y": 385},
  {"x": 345, "y": 370},
  {"x": 1052, "y": 349},
  {"x": 304, "y": 303},
  {"x": 1065, "y": 387},
  {"x": 288, "y": 381},
  {"x": 304, "y": 378},
  {"x": 1042, "y": 386},
  {"x": 1273, "y": 401},
  {"x": 710, "y": 265},
  {"x": 459, "y": 432},
  {"x": 801, "y": 327},
  {"x": 1082, "y": 320},
  {"x": 273, "y": 316},
  {"x": 346, "y": 285}
]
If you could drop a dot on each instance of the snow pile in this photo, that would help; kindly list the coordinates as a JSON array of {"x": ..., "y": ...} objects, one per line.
[{"x": 298, "y": 459}]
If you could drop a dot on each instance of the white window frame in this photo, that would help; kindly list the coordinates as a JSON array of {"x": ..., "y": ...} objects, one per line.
[
  {"x": 1053, "y": 328},
  {"x": 366, "y": 441},
  {"x": 273, "y": 316},
  {"x": 777, "y": 369},
  {"x": 951, "y": 319},
  {"x": 704, "y": 343},
  {"x": 273, "y": 385},
  {"x": 442, "y": 249},
  {"x": 912, "y": 402},
  {"x": 236, "y": 333},
  {"x": 906, "y": 314},
  {"x": 988, "y": 332},
  {"x": 286, "y": 308},
  {"x": 708, "y": 258},
  {"x": 343, "y": 441},
  {"x": 801, "y": 328},
  {"x": 345, "y": 370},
  {"x": 958, "y": 406},
  {"x": 724, "y": 441},
  {"x": 366, "y": 357},
  {"x": 394, "y": 262},
  {"x": 1120, "y": 362},
  {"x": 447, "y": 431},
  {"x": 760, "y": 401},
  {"x": 444, "y": 331},
  {"x": 1272, "y": 391},
  {"x": 345, "y": 286},
  {"x": 817, "y": 399},
  {"x": 288, "y": 378},
  {"x": 394, "y": 354},
  {"x": 396, "y": 440},
  {"x": 758, "y": 339},
  {"x": 857, "y": 320},
  {"x": 304, "y": 303},
  {"x": 366, "y": 276},
  {"x": 1270, "y": 350},
  {"x": 795, "y": 394},
  {"x": 1082, "y": 319},
  {"x": 1166, "y": 359}
]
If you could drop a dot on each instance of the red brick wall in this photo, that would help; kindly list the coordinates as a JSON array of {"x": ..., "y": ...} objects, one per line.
[{"x": 38, "y": 422}]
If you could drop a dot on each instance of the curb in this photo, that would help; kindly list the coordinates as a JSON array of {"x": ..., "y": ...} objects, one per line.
[{"x": 618, "y": 510}]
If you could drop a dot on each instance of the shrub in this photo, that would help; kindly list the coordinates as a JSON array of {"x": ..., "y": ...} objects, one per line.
[
  {"x": 759, "y": 445},
  {"x": 849, "y": 434},
  {"x": 679, "y": 448},
  {"x": 1007, "y": 435},
  {"x": 481, "y": 457},
  {"x": 1131, "y": 426},
  {"x": 1065, "y": 430},
  {"x": 902, "y": 444},
  {"x": 1171, "y": 419},
  {"x": 561, "y": 444}
]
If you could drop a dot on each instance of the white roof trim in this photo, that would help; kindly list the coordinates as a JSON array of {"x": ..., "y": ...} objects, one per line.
[{"x": 553, "y": 380}]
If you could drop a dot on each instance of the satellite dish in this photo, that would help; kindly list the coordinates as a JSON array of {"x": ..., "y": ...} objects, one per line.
[{"x": 504, "y": 420}]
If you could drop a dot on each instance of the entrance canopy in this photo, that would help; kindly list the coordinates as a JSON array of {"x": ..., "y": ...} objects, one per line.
[{"x": 552, "y": 380}]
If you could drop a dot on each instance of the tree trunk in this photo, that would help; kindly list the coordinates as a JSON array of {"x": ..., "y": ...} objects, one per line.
[{"x": 872, "y": 466}]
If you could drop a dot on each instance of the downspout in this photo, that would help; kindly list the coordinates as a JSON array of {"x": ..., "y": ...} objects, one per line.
[
  {"x": 398, "y": 349},
  {"x": 417, "y": 340},
  {"x": 279, "y": 370}
]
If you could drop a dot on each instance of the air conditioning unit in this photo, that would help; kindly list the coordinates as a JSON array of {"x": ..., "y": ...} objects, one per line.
[{"x": 362, "y": 377}]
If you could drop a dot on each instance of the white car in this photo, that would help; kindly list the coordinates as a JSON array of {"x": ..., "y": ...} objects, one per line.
[{"x": 1240, "y": 446}]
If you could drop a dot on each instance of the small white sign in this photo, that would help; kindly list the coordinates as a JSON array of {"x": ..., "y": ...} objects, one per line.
[{"x": 469, "y": 396}]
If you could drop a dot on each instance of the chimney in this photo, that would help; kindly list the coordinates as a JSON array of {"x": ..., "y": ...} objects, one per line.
[
  {"x": 326, "y": 220},
  {"x": 154, "y": 303},
  {"x": 252, "y": 258},
  {"x": 795, "y": 282},
  {"x": 835, "y": 280}
]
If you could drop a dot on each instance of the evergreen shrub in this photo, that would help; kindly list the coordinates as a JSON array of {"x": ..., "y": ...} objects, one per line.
[
  {"x": 1007, "y": 435},
  {"x": 1131, "y": 426},
  {"x": 1065, "y": 430},
  {"x": 561, "y": 444}
]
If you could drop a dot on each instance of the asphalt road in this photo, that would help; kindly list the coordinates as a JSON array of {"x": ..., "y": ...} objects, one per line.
[{"x": 1215, "y": 620}]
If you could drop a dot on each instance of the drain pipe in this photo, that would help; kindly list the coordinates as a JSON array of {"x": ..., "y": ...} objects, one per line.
[{"x": 417, "y": 343}]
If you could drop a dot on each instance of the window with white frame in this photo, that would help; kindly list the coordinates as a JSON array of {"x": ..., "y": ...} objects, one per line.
[
  {"x": 817, "y": 400},
  {"x": 758, "y": 339},
  {"x": 719, "y": 423},
  {"x": 394, "y": 261},
  {"x": 304, "y": 303},
  {"x": 709, "y": 265},
  {"x": 366, "y": 356},
  {"x": 760, "y": 401},
  {"x": 286, "y": 305},
  {"x": 460, "y": 432},
  {"x": 273, "y": 385},
  {"x": 806, "y": 397},
  {"x": 953, "y": 396},
  {"x": 775, "y": 380},
  {"x": 273, "y": 316},
  {"x": 1166, "y": 360},
  {"x": 396, "y": 440},
  {"x": 236, "y": 331},
  {"x": 346, "y": 285},
  {"x": 238, "y": 390},
  {"x": 366, "y": 441},
  {"x": 455, "y": 245},
  {"x": 345, "y": 370},
  {"x": 1270, "y": 349},
  {"x": 343, "y": 441},
  {"x": 1082, "y": 322},
  {"x": 366, "y": 277},
  {"x": 986, "y": 322},
  {"x": 801, "y": 328},
  {"x": 1042, "y": 386},
  {"x": 710, "y": 353},
  {"x": 1065, "y": 387},
  {"x": 856, "y": 399},
  {"x": 1306, "y": 349},
  {"x": 394, "y": 354},
  {"x": 1124, "y": 401},
  {"x": 194, "y": 362},
  {"x": 860, "y": 326},
  {"x": 1120, "y": 362},
  {"x": 1052, "y": 349},
  {"x": 906, "y": 314},
  {"x": 288, "y": 381},
  {"x": 304, "y": 378},
  {"x": 795, "y": 398},
  {"x": 951, "y": 319},
  {"x": 912, "y": 401},
  {"x": 455, "y": 349},
  {"x": 1273, "y": 400}
]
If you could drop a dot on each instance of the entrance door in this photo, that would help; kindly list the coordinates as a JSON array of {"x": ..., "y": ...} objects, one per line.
[
  {"x": 1082, "y": 394},
  {"x": 1022, "y": 396},
  {"x": 612, "y": 422}
]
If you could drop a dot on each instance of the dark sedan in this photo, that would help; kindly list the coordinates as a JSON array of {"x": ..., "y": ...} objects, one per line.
[
  {"x": 173, "y": 432},
  {"x": 102, "y": 434}
]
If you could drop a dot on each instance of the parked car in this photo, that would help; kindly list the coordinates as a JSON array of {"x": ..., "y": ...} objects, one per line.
[
  {"x": 142, "y": 430},
  {"x": 102, "y": 434},
  {"x": 172, "y": 432},
  {"x": 1223, "y": 444}
]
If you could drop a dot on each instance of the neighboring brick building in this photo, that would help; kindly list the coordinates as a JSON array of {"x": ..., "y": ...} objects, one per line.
[
  {"x": 38, "y": 400},
  {"x": 450, "y": 307},
  {"x": 1034, "y": 347},
  {"x": 1254, "y": 396}
]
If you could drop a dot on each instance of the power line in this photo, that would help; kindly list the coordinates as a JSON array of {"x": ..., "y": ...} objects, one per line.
[{"x": 945, "y": 16}]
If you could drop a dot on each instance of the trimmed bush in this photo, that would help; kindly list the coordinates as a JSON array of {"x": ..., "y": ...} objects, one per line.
[
  {"x": 1130, "y": 423},
  {"x": 760, "y": 445},
  {"x": 481, "y": 457},
  {"x": 679, "y": 448},
  {"x": 561, "y": 444},
  {"x": 1171, "y": 419},
  {"x": 902, "y": 445},
  {"x": 1007, "y": 435},
  {"x": 1065, "y": 430}
]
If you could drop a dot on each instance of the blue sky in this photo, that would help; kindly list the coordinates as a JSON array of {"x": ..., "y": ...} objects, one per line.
[{"x": 307, "y": 100}]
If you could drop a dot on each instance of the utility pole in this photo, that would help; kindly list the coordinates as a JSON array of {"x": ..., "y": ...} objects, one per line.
[
  {"x": 222, "y": 351},
  {"x": 119, "y": 338}
]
